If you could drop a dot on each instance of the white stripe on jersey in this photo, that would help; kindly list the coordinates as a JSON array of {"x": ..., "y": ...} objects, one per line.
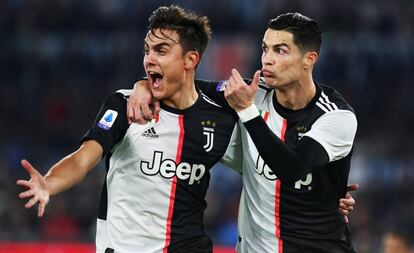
[
  {"x": 325, "y": 104},
  {"x": 125, "y": 92},
  {"x": 208, "y": 100},
  {"x": 328, "y": 101},
  {"x": 322, "y": 107}
]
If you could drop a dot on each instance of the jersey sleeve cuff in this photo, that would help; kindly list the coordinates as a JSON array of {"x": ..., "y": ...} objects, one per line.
[{"x": 248, "y": 113}]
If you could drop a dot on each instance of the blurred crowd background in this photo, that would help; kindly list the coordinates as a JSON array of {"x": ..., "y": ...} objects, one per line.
[{"x": 60, "y": 59}]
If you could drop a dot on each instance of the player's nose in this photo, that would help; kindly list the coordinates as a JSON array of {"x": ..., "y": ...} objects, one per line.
[
  {"x": 267, "y": 59},
  {"x": 150, "y": 58}
]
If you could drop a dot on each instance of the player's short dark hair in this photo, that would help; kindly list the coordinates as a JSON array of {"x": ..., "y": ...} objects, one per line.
[
  {"x": 194, "y": 30},
  {"x": 307, "y": 34}
]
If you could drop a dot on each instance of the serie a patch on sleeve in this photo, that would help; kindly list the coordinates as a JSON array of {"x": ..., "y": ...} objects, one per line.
[
  {"x": 107, "y": 119},
  {"x": 221, "y": 86}
]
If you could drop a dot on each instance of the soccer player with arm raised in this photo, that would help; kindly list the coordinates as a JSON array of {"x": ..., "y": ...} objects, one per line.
[
  {"x": 297, "y": 138},
  {"x": 157, "y": 174}
]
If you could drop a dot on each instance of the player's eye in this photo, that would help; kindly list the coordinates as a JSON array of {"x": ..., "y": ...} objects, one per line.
[
  {"x": 162, "y": 51},
  {"x": 280, "y": 51}
]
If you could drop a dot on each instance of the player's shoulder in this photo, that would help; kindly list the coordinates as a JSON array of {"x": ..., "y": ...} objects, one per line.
[
  {"x": 211, "y": 101},
  {"x": 330, "y": 100},
  {"x": 117, "y": 98},
  {"x": 125, "y": 93}
]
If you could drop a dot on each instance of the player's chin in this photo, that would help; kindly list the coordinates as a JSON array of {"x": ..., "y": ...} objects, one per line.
[
  {"x": 158, "y": 95},
  {"x": 271, "y": 82}
]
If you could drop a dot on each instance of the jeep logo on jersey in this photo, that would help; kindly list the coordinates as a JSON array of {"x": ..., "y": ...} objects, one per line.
[
  {"x": 168, "y": 168},
  {"x": 208, "y": 131},
  {"x": 263, "y": 169},
  {"x": 306, "y": 182}
]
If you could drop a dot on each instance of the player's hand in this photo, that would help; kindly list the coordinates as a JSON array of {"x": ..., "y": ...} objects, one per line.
[
  {"x": 141, "y": 107},
  {"x": 238, "y": 94},
  {"x": 37, "y": 189},
  {"x": 346, "y": 205}
]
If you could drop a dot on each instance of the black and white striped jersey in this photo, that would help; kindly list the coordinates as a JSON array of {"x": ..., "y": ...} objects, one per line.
[
  {"x": 158, "y": 175},
  {"x": 300, "y": 216}
]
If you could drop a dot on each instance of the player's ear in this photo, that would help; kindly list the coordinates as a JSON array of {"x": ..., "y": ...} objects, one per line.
[
  {"x": 309, "y": 59},
  {"x": 191, "y": 59}
]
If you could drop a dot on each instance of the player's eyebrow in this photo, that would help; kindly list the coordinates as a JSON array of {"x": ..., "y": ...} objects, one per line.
[
  {"x": 275, "y": 45},
  {"x": 157, "y": 46}
]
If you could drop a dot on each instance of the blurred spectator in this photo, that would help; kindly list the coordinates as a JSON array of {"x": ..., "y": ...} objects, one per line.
[{"x": 397, "y": 240}]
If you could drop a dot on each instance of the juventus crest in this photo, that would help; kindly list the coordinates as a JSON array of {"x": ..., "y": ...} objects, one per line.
[{"x": 208, "y": 131}]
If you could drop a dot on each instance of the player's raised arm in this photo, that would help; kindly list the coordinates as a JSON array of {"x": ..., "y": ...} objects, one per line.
[
  {"x": 63, "y": 175},
  {"x": 142, "y": 107}
]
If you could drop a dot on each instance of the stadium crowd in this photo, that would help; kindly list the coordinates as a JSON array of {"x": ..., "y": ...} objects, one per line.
[{"x": 59, "y": 59}]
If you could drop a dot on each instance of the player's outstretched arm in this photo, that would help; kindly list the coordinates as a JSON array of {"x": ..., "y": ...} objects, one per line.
[
  {"x": 141, "y": 106},
  {"x": 64, "y": 174}
]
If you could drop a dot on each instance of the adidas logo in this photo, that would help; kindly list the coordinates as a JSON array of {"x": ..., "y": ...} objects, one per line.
[{"x": 150, "y": 133}]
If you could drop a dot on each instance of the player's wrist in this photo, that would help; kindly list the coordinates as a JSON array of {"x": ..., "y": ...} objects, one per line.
[{"x": 248, "y": 113}]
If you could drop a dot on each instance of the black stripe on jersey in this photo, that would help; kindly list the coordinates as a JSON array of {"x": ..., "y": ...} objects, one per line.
[
  {"x": 325, "y": 102},
  {"x": 103, "y": 205},
  {"x": 265, "y": 88},
  {"x": 322, "y": 104},
  {"x": 187, "y": 230}
]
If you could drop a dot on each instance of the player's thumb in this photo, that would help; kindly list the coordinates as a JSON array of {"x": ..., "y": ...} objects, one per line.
[{"x": 255, "y": 81}]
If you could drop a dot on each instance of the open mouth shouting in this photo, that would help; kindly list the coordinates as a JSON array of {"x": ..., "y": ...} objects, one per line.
[{"x": 155, "y": 79}]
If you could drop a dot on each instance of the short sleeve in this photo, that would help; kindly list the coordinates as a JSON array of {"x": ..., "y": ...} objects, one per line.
[
  {"x": 335, "y": 131},
  {"x": 110, "y": 124}
]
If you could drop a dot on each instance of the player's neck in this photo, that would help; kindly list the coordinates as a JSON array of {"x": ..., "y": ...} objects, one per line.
[
  {"x": 185, "y": 97},
  {"x": 297, "y": 95}
]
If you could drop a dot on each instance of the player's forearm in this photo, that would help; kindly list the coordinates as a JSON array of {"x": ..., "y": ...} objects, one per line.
[
  {"x": 288, "y": 164},
  {"x": 284, "y": 162},
  {"x": 73, "y": 168},
  {"x": 63, "y": 175}
]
